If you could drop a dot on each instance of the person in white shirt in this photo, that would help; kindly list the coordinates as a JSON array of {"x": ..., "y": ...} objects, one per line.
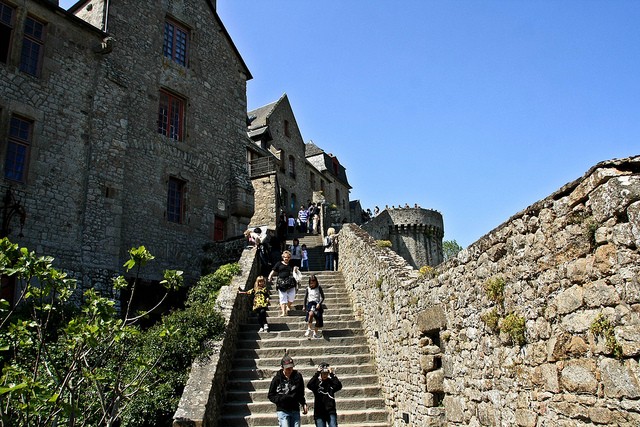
[{"x": 313, "y": 298}]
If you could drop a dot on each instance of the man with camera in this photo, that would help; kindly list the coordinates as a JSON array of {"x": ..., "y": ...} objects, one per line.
[{"x": 324, "y": 384}]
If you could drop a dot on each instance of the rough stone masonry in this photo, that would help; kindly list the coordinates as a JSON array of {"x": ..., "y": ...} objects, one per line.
[{"x": 535, "y": 324}]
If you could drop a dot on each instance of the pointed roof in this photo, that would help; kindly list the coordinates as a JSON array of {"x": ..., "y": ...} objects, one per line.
[
  {"x": 258, "y": 118},
  {"x": 312, "y": 149}
]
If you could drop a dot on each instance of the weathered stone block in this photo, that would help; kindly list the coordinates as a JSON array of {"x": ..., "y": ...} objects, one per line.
[
  {"x": 620, "y": 379},
  {"x": 629, "y": 339},
  {"x": 526, "y": 418},
  {"x": 569, "y": 300},
  {"x": 599, "y": 294},
  {"x": 614, "y": 197},
  {"x": 431, "y": 319},
  {"x": 599, "y": 415},
  {"x": 633, "y": 212},
  {"x": 435, "y": 381},
  {"x": 579, "y": 376},
  {"x": 455, "y": 408}
]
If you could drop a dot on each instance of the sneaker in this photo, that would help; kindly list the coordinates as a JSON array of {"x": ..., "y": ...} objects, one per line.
[
  {"x": 266, "y": 328},
  {"x": 261, "y": 330},
  {"x": 306, "y": 334},
  {"x": 316, "y": 335}
]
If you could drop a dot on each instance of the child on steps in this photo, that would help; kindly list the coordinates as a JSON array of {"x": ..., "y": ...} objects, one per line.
[
  {"x": 260, "y": 302},
  {"x": 313, "y": 298}
]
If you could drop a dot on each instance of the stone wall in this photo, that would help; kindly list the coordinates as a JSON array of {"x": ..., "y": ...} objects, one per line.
[
  {"x": 448, "y": 347},
  {"x": 98, "y": 169},
  {"x": 266, "y": 195},
  {"x": 415, "y": 234},
  {"x": 204, "y": 393}
]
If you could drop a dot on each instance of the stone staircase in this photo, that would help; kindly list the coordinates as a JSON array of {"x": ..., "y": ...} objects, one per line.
[
  {"x": 314, "y": 249},
  {"x": 342, "y": 344}
]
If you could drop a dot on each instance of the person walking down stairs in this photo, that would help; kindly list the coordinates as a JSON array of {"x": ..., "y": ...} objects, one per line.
[
  {"x": 313, "y": 298},
  {"x": 287, "y": 392},
  {"x": 260, "y": 295},
  {"x": 285, "y": 282},
  {"x": 324, "y": 384}
]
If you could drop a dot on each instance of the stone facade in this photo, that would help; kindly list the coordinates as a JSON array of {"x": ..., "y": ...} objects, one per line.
[
  {"x": 287, "y": 173},
  {"x": 415, "y": 234},
  {"x": 332, "y": 183},
  {"x": 448, "y": 346},
  {"x": 98, "y": 167}
]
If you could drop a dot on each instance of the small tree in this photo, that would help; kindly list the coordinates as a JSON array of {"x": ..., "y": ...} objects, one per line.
[
  {"x": 450, "y": 249},
  {"x": 65, "y": 364}
]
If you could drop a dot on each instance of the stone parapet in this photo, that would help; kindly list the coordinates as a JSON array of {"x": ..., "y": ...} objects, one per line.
[
  {"x": 534, "y": 324},
  {"x": 204, "y": 393}
]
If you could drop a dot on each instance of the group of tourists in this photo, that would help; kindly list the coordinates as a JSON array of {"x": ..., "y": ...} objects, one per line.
[
  {"x": 287, "y": 387},
  {"x": 287, "y": 392}
]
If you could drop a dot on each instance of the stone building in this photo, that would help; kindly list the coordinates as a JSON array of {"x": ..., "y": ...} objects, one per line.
[
  {"x": 122, "y": 124},
  {"x": 332, "y": 182},
  {"x": 286, "y": 172},
  {"x": 415, "y": 234}
]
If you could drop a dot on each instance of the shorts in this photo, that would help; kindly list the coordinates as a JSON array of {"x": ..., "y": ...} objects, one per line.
[
  {"x": 287, "y": 296},
  {"x": 317, "y": 313}
]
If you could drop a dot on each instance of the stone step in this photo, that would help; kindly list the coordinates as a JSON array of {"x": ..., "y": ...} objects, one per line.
[
  {"x": 296, "y": 340},
  {"x": 367, "y": 384},
  {"x": 314, "y": 361},
  {"x": 278, "y": 324},
  {"x": 326, "y": 352},
  {"x": 342, "y": 344},
  {"x": 345, "y": 394},
  {"x": 307, "y": 372},
  {"x": 344, "y": 404},
  {"x": 369, "y": 418}
]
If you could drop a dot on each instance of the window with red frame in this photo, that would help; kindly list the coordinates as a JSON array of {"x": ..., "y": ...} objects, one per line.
[
  {"x": 32, "y": 47},
  {"x": 218, "y": 229},
  {"x": 18, "y": 146},
  {"x": 176, "y": 42},
  {"x": 175, "y": 200},
  {"x": 171, "y": 116},
  {"x": 6, "y": 29}
]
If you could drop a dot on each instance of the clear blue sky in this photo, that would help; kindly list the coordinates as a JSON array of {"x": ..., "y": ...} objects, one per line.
[{"x": 474, "y": 108}]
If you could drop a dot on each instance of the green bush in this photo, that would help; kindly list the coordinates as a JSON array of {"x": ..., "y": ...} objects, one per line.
[
  {"x": 602, "y": 327},
  {"x": 383, "y": 243},
  {"x": 208, "y": 286},
  {"x": 491, "y": 319},
  {"x": 193, "y": 327},
  {"x": 514, "y": 326},
  {"x": 494, "y": 288}
]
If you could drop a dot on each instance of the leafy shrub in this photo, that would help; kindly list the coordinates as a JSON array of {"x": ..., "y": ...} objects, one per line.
[
  {"x": 491, "y": 318},
  {"x": 383, "y": 243},
  {"x": 603, "y": 327},
  {"x": 427, "y": 271},
  {"x": 208, "y": 286},
  {"x": 494, "y": 288},
  {"x": 514, "y": 326}
]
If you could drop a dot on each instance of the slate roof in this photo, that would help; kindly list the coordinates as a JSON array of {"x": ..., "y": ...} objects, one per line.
[{"x": 259, "y": 116}]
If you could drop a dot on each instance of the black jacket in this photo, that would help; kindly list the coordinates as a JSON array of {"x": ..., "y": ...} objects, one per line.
[
  {"x": 287, "y": 394},
  {"x": 324, "y": 393}
]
